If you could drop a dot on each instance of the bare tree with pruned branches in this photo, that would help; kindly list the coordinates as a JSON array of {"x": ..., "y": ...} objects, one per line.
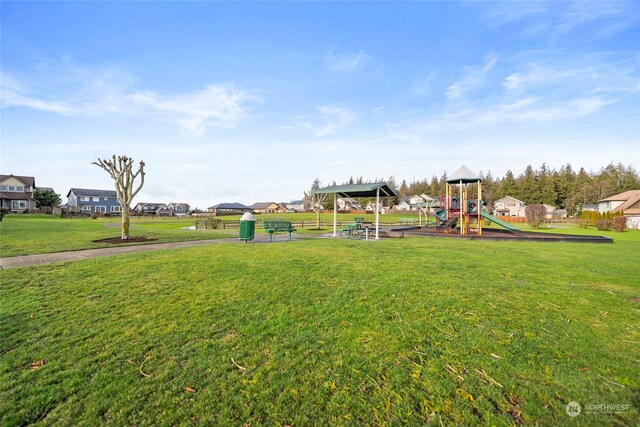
[
  {"x": 314, "y": 200},
  {"x": 121, "y": 170}
]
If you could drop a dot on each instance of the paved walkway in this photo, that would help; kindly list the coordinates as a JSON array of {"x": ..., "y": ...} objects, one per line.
[{"x": 29, "y": 260}]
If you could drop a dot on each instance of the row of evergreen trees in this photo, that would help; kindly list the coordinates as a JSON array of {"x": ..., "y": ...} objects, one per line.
[{"x": 563, "y": 188}]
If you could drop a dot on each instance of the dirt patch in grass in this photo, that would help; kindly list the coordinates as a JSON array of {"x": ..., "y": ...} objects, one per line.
[{"x": 129, "y": 240}]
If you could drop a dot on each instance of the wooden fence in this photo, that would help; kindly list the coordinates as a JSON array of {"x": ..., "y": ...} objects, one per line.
[{"x": 204, "y": 224}]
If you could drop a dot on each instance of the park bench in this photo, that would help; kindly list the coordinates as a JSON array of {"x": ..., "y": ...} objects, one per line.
[
  {"x": 275, "y": 226},
  {"x": 361, "y": 222}
]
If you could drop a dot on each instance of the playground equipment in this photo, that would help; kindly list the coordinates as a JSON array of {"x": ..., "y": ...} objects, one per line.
[{"x": 457, "y": 210}]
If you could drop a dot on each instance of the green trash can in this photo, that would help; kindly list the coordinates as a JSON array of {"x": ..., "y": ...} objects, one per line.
[{"x": 247, "y": 227}]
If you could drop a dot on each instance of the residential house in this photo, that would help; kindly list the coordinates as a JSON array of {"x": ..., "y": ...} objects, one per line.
[
  {"x": 415, "y": 199},
  {"x": 234, "y": 208},
  {"x": 348, "y": 204},
  {"x": 404, "y": 205},
  {"x": 509, "y": 206},
  {"x": 592, "y": 208},
  {"x": 295, "y": 206},
  {"x": 628, "y": 203},
  {"x": 265, "y": 207},
  {"x": 16, "y": 193},
  {"x": 156, "y": 209},
  {"x": 179, "y": 209},
  {"x": 282, "y": 208},
  {"x": 371, "y": 207},
  {"x": 93, "y": 201},
  {"x": 550, "y": 211},
  {"x": 560, "y": 213}
]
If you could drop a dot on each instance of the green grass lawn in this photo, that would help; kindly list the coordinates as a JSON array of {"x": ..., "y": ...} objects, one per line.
[
  {"x": 326, "y": 332},
  {"x": 33, "y": 234}
]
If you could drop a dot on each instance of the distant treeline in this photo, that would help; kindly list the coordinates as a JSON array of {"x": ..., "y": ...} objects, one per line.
[{"x": 563, "y": 188}]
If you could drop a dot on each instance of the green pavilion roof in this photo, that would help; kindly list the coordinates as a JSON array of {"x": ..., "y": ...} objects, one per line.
[{"x": 359, "y": 190}]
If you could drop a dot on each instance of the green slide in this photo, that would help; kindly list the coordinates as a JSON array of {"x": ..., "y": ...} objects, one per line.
[{"x": 497, "y": 221}]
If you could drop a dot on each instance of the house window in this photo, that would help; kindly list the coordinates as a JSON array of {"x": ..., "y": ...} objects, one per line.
[
  {"x": 86, "y": 208},
  {"x": 101, "y": 209},
  {"x": 20, "y": 189},
  {"x": 3, "y": 188},
  {"x": 84, "y": 199},
  {"x": 12, "y": 188},
  {"x": 96, "y": 199},
  {"x": 18, "y": 204},
  {"x": 105, "y": 198},
  {"x": 116, "y": 208}
]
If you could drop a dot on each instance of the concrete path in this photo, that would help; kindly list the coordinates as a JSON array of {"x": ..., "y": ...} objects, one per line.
[{"x": 29, "y": 260}]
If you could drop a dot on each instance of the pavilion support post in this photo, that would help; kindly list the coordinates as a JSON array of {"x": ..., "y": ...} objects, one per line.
[
  {"x": 335, "y": 214},
  {"x": 377, "y": 213}
]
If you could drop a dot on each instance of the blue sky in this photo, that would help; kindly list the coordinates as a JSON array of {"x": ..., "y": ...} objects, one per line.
[{"x": 252, "y": 101}]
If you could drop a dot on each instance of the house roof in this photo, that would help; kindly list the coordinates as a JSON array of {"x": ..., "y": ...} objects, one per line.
[
  {"x": 359, "y": 190},
  {"x": 347, "y": 199},
  {"x": 234, "y": 205},
  {"x": 262, "y": 205},
  {"x": 153, "y": 206},
  {"x": 16, "y": 196},
  {"x": 27, "y": 180},
  {"x": 510, "y": 197},
  {"x": 622, "y": 196},
  {"x": 465, "y": 175},
  {"x": 178, "y": 204},
  {"x": 626, "y": 207},
  {"x": 85, "y": 192},
  {"x": 296, "y": 202}
]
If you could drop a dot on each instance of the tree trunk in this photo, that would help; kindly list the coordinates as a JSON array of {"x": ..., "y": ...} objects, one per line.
[
  {"x": 125, "y": 224},
  {"x": 318, "y": 218}
]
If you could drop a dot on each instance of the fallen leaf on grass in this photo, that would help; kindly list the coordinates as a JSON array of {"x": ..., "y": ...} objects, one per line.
[
  {"x": 189, "y": 390},
  {"x": 583, "y": 369},
  {"x": 37, "y": 364}
]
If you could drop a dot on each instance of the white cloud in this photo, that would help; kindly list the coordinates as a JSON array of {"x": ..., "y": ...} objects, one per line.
[
  {"x": 331, "y": 119},
  {"x": 222, "y": 106},
  {"x": 558, "y": 19},
  {"x": 71, "y": 90},
  {"x": 347, "y": 62},
  {"x": 473, "y": 77}
]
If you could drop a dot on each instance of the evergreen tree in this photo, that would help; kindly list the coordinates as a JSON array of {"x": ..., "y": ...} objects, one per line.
[
  {"x": 545, "y": 187},
  {"x": 527, "y": 187},
  {"x": 508, "y": 186}
]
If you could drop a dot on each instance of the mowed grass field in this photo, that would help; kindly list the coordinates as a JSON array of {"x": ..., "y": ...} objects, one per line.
[
  {"x": 34, "y": 234},
  {"x": 326, "y": 332}
]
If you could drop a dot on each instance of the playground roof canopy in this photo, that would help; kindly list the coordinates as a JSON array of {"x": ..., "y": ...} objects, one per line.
[
  {"x": 359, "y": 190},
  {"x": 465, "y": 175}
]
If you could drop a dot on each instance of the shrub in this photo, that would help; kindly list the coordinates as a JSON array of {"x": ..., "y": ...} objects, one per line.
[
  {"x": 535, "y": 215},
  {"x": 619, "y": 223},
  {"x": 583, "y": 223},
  {"x": 3, "y": 211},
  {"x": 214, "y": 223},
  {"x": 603, "y": 224}
]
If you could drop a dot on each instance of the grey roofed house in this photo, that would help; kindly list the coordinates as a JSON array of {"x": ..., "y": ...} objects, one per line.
[
  {"x": 84, "y": 192},
  {"x": 233, "y": 206},
  {"x": 152, "y": 208},
  {"x": 93, "y": 201}
]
